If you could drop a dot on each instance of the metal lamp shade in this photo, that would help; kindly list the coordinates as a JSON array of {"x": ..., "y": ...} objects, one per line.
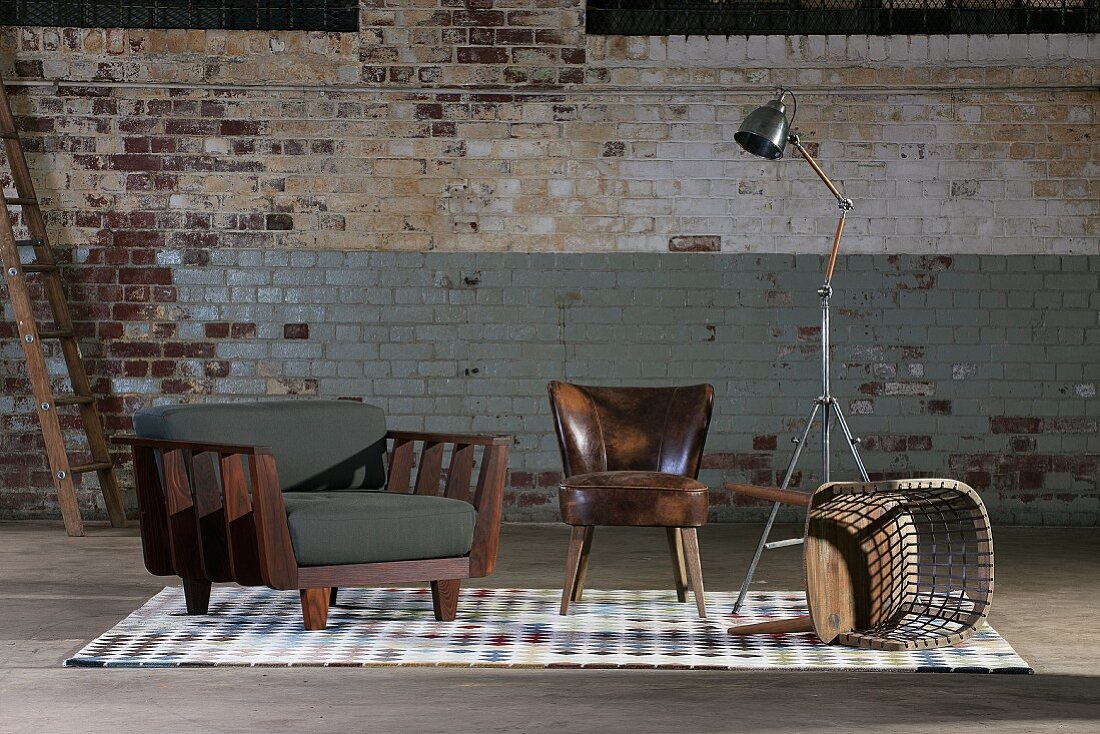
[{"x": 764, "y": 131}]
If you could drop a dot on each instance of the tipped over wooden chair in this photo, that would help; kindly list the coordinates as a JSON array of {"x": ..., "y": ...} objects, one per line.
[
  {"x": 296, "y": 495},
  {"x": 892, "y": 565},
  {"x": 631, "y": 456}
]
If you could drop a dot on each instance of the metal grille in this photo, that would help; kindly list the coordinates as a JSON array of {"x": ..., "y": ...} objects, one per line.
[
  {"x": 275, "y": 15},
  {"x": 870, "y": 17}
]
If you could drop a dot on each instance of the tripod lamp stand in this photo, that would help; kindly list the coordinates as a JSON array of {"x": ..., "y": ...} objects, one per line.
[{"x": 765, "y": 133}]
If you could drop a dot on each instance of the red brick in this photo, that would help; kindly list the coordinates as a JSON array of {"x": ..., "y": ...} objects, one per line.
[
  {"x": 134, "y": 368},
  {"x": 765, "y": 443},
  {"x": 133, "y": 311},
  {"x": 295, "y": 331},
  {"x": 938, "y": 407},
  {"x": 242, "y": 330},
  {"x": 1005, "y": 424},
  {"x": 123, "y": 162},
  {"x": 134, "y": 349},
  {"x": 521, "y": 479},
  {"x": 695, "y": 243},
  {"x": 482, "y": 18},
  {"x": 482, "y": 55},
  {"x": 192, "y": 350},
  {"x": 549, "y": 479},
  {"x": 216, "y": 330},
  {"x": 181, "y": 387},
  {"x": 531, "y": 499},
  {"x": 163, "y": 368},
  {"x": 217, "y": 368},
  {"x": 148, "y": 276}
]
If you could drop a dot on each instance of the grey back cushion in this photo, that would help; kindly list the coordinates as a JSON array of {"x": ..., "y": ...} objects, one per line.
[{"x": 317, "y": 444}]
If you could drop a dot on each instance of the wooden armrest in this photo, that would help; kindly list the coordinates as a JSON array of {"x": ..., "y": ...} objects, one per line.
[
  {"x": 487, "y": 496},
  {"x": 772, "y": 494},
  {"x": 194, "y": 446},
  {"x": 459, "y": 438}
]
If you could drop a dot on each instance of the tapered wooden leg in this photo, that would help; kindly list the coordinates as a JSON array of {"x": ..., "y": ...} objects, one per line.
[
  {"x": 315, "y": 608},
  {"x": 332, "y": 594},
  {"x": 694, "y": 568},
  {"x": 197, "y": 594},
  {"x": 572, "y": 566},
  {"x": 445, "y": 599},
  {"x": 679, "y": 571},
  {"x": 582, "y": 567},
  {"x": 774, "y": 627}
]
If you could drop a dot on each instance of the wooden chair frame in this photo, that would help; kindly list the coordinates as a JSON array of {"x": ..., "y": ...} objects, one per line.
[
  {"x": 903, "y": 564},
  {"x": 231, "y": 525}
]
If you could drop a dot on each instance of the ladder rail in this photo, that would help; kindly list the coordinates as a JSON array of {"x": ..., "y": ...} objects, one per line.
[
  {"x": 40, "y": 385},
  {"x": 30, "y": 336}
]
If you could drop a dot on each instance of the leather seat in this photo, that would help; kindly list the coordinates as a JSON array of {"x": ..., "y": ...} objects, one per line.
[{"x": 637, "y": 498}]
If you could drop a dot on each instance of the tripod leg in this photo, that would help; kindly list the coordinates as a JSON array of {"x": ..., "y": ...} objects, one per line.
[
  {"x": 775, "y": 509},
  {"x": 755, "y": 558},
  {"x": 849, "y": 438}
]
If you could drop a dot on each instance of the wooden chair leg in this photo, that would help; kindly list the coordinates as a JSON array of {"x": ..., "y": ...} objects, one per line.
[
  {"x": 445, "y": 599},
  {"x": 333, "y": 592},
  {"x": 572, "y": 566},
  {"x": 196, "y": 592},
  {"x": 694, "y": 568},
  {"x": 679, "y": 571},
  {"x": 582, "y": 568},
  {"x": 315, "y": 607},
  {"x": 774, "y": 627}
]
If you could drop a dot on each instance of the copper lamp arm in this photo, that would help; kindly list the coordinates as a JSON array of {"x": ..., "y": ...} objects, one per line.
[
  {"x": 844, "y": 202},
  {"x": 817, "y": 169},
  {"x": 836, "y": 247}
]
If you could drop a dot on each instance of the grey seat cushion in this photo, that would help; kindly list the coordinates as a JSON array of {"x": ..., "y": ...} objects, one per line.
[
  {"x": 332, "y": 528},
  {"x": 318, "y": 444}
]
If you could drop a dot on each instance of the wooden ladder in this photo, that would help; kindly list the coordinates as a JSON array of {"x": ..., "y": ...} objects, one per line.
[{"x": 47, "y": 404}]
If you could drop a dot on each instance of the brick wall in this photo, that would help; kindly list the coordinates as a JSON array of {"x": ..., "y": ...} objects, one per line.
[
  {"x": 499, "y": 126},
  {"x": 977, "y": 367},
  {"x": 213, "y": 192}
]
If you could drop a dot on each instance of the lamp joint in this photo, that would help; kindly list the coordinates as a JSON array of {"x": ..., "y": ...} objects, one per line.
[{"x": 845, "y": 204}]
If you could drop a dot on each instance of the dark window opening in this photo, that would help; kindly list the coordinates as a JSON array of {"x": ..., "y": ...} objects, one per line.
[
  {"x": 842, "y": 17},
  {"x": 268, "y": 15}
]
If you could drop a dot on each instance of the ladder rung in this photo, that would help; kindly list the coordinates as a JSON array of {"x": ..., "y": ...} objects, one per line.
[
  {"x": 9, "y": 135},
  {"x": 35, "y": 242},
  {"x": 74, "y": 400},
  {"x": 20, "y": 201},
  {"x": 39, "y": 268},
  {"x": 85, "y": 468},
  {"x": 59, "y": 334}
]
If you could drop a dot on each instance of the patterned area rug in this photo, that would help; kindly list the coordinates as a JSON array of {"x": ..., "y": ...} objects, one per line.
[{"x": 512, "y": 628}]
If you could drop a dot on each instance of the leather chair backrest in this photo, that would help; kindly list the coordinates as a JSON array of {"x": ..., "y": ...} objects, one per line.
[
  {"x": 317, "y": 444},
  {"x": 631, "y": 428}
]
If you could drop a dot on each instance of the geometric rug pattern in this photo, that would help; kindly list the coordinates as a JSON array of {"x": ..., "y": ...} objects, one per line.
[{"x": 506, "y": 628}]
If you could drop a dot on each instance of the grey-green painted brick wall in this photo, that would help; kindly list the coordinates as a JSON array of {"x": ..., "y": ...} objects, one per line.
[
  {"x": 982, "y": 368},
  {"x": 938, "y": 360}
]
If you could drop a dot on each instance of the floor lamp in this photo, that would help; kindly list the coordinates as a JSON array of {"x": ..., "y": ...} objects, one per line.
[{"x": 764, "y": 133}]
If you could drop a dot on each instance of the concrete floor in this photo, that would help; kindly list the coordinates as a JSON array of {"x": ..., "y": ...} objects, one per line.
[{"x": 58, "y": 592}]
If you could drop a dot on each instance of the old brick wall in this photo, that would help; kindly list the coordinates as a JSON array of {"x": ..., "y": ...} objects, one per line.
[{"x": 214, "y": 192}]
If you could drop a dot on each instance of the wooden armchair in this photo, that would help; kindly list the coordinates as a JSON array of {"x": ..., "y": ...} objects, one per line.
[{"x": 217, "y": 511}]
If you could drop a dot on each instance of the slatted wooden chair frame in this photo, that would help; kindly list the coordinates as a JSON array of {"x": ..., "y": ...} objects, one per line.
[{"x": 230, "y": 525}]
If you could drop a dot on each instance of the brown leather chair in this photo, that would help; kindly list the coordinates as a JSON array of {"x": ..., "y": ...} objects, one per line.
[{"x": 631, "y": 456}]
